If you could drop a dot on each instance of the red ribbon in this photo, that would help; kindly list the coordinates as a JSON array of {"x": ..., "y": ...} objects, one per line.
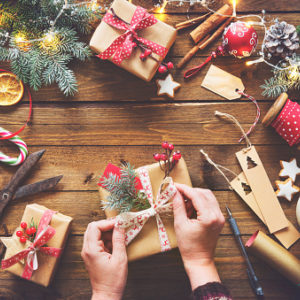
[
  {"x": 287, "y": 124},
  {"x": 43, "y": 235},
  {"x": 122, "y": 47},
  {"x": 28, "y": 118}
]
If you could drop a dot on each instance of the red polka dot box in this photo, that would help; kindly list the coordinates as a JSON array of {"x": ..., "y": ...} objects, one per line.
[
  {"x": 33, "y": 251},
  {"x": 133, "y": 39}
]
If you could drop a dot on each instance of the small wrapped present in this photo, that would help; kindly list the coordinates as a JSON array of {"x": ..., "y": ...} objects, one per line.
[
  {"x": 37, "y": 260},
  {"x": 150, "y": 231},
  {"x": 125, "y": 32}
]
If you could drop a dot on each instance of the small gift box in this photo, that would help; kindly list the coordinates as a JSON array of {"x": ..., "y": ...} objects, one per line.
[
  {"x": 37, "y": 260},
  {"x": 150, "y": 231},
  {"x": 125, "y": 32}
]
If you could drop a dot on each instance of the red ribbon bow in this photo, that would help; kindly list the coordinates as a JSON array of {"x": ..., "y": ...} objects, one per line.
[
  {"x": 122, "y": 47},
  {"x": 43, "y": 235}
]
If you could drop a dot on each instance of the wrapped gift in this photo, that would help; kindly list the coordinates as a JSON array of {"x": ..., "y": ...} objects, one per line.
[
  {"x": 152, "y": 230},
  {"x": 122, "y": 28},
  {"x": 37, "y": 260}
]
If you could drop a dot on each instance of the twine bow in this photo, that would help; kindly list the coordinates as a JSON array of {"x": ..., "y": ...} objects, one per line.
[
  {"x": 134, "y": 221},
  {"x": 122, "y": 47},
  {"x": 43, "y": 235}
]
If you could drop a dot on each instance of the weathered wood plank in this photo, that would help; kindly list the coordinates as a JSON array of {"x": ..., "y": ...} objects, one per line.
[
  {"x": 84, "y": 207},
  {"x": 138, "y": 124},
  {"x": 228, "y": 259}
]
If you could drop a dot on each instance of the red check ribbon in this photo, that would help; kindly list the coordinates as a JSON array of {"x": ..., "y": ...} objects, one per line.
[
  {"x": 43, "y": 235},
  {"x": 122, "y": 47}
]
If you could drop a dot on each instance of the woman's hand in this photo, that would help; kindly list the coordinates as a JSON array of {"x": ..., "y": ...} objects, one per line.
[
  {"x": 104, "y": 254},
  {"x": 197, "y": 238}
]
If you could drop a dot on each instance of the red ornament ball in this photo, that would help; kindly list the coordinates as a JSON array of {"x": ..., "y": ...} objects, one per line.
[{"x": 240, "y": 39}]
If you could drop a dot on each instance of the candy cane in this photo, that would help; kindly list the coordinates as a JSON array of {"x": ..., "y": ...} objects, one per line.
[{"x": 14, "y": 161}]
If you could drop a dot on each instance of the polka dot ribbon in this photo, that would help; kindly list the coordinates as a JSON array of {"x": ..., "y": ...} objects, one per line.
[
  {"x": 287, "y": 124},
  {"x": 122, "y": 47},
  {"x": 43, "y": 235},
  {"x": 134, "y": 221}
]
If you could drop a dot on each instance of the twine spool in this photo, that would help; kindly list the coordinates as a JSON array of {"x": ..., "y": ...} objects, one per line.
[{"x": 284, "y": 117}]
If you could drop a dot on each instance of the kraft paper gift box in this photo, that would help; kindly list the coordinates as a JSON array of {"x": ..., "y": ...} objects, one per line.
[
  {"x": 46, "y": 263},
  {"x": 147, "y": 242},
  {"x": 160, "y": 33}
]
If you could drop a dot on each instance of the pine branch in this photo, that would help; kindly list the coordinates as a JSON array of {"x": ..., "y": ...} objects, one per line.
[{"x": 123, "y": 195}]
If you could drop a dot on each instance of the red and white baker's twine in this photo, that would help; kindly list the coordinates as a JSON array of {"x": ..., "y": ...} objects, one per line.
[
  {"x": 43, "y": 235},
  {"x": 13, "y": 161},
  {"x": 134, "y": 221},
  {"x": 287, "y": 124}
]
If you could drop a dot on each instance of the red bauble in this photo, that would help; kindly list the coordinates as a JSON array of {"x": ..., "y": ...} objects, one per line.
[{"x": 240, "y": 39}]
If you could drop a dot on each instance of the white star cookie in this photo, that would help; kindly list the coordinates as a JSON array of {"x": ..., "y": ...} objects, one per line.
[
  {"x": 289, "y": 169},
  {"x": 286, "y": 189},
  {"x": 167, "y": 86}
]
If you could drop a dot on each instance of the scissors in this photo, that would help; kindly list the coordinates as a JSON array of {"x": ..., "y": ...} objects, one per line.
[{"x": 13, "y": 190}]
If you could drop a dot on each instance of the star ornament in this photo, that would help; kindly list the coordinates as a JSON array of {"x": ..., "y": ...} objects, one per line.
[
  {"x": 286, "y": 189},
  {"x": 289, "y": 169},
  {"x": 167, "y": 86}
]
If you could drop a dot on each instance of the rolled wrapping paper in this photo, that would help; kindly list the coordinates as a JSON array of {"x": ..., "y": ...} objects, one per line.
[{"x": 275, "y": 255}]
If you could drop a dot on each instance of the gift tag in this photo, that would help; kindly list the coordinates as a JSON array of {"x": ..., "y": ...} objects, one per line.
[{"x": 223, "y": 83}]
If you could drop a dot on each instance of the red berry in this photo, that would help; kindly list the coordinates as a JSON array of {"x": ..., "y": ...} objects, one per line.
[
  {"x": 19, "y": 233},
  {"x": 24, "y": 225},
  {"x": 171, "y": 147},
  {"x": 23, "y": 239},
  {"x": 147, "y": 52},
  {"x": 33, "y": 230},
  {"x": 28, "y": 231},
  {"x": 156, "y": 156},
  {"x": 177, "y": 155},
  {"x": 163, "y": 157},
  {"x": 165, "y": 145},
  {"x": 170, "y": 65},
  {"x": 162, "y": 69}
]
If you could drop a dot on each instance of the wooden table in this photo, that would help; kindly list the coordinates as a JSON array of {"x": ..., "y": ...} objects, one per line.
[{"x": 117, "y": 116}]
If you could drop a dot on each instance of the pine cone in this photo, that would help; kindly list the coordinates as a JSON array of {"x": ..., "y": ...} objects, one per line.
[{"x": 282, "y": 39}]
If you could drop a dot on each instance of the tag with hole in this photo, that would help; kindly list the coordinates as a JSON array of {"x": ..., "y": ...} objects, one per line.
[
  {"x": 262, "y": 189},
  {"x": 287, "y": 236},
  {"x": 223, "y": 83}
]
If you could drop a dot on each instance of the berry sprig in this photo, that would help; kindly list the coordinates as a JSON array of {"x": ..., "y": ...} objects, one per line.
[
  {"x": 28, "y": 232},
  {"x": 168, "y": 158},
  {"x": 146, "y": 52}
]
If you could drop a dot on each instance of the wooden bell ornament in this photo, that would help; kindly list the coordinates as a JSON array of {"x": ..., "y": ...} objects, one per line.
[{"x": 275, "y": 110}]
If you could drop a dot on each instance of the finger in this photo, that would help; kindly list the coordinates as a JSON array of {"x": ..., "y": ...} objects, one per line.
[
  {"x": 179, "y": 209},
  {"x": 118, "y": 242},
  {"x": 190, "y": 193},
  {"x": 93, "y": 232}
]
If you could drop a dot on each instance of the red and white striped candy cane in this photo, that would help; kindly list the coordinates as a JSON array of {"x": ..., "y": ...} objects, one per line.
[{"x": 13, "y": 161}]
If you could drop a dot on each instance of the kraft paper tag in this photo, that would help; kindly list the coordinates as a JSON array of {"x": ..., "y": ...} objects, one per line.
[
  {"x": 222, "y": 83},
  {"x": 262, "y": 189},
  {"x": 287, "y": 236}
]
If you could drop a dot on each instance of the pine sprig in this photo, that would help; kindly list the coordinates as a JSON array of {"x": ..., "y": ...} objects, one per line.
[
  {"x": 39, "y": 63},
  {"x": 35, "y": 225},
  {"x": 123, "y": 195}
]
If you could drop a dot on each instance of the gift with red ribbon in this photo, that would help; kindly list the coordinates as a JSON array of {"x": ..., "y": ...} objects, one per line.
[
  {"x": 37, "y": 260},
  {"x": 151, "y": 230},
  {"x": 125, "y": 32}
]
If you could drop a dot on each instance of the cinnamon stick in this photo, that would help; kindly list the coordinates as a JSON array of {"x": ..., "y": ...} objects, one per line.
[
  {"x": 203, "y": 44},
  {"x": 211, "y": 22},
  {"x": 191, "y": 22},
  {"x": 191, "y": 53}
]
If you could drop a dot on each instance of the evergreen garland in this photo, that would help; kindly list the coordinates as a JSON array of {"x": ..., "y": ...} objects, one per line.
[
  {"x": 44, "y": 62},
  {"x": 283, "y": 80},
  {"x": 123, "y": 195}
]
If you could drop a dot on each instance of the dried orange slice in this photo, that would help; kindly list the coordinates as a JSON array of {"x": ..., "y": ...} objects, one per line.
[{"x": 11, "y": 89}]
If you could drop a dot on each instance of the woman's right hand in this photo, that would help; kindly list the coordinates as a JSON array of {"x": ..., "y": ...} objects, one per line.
[{"x": 197, "y": 238}]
